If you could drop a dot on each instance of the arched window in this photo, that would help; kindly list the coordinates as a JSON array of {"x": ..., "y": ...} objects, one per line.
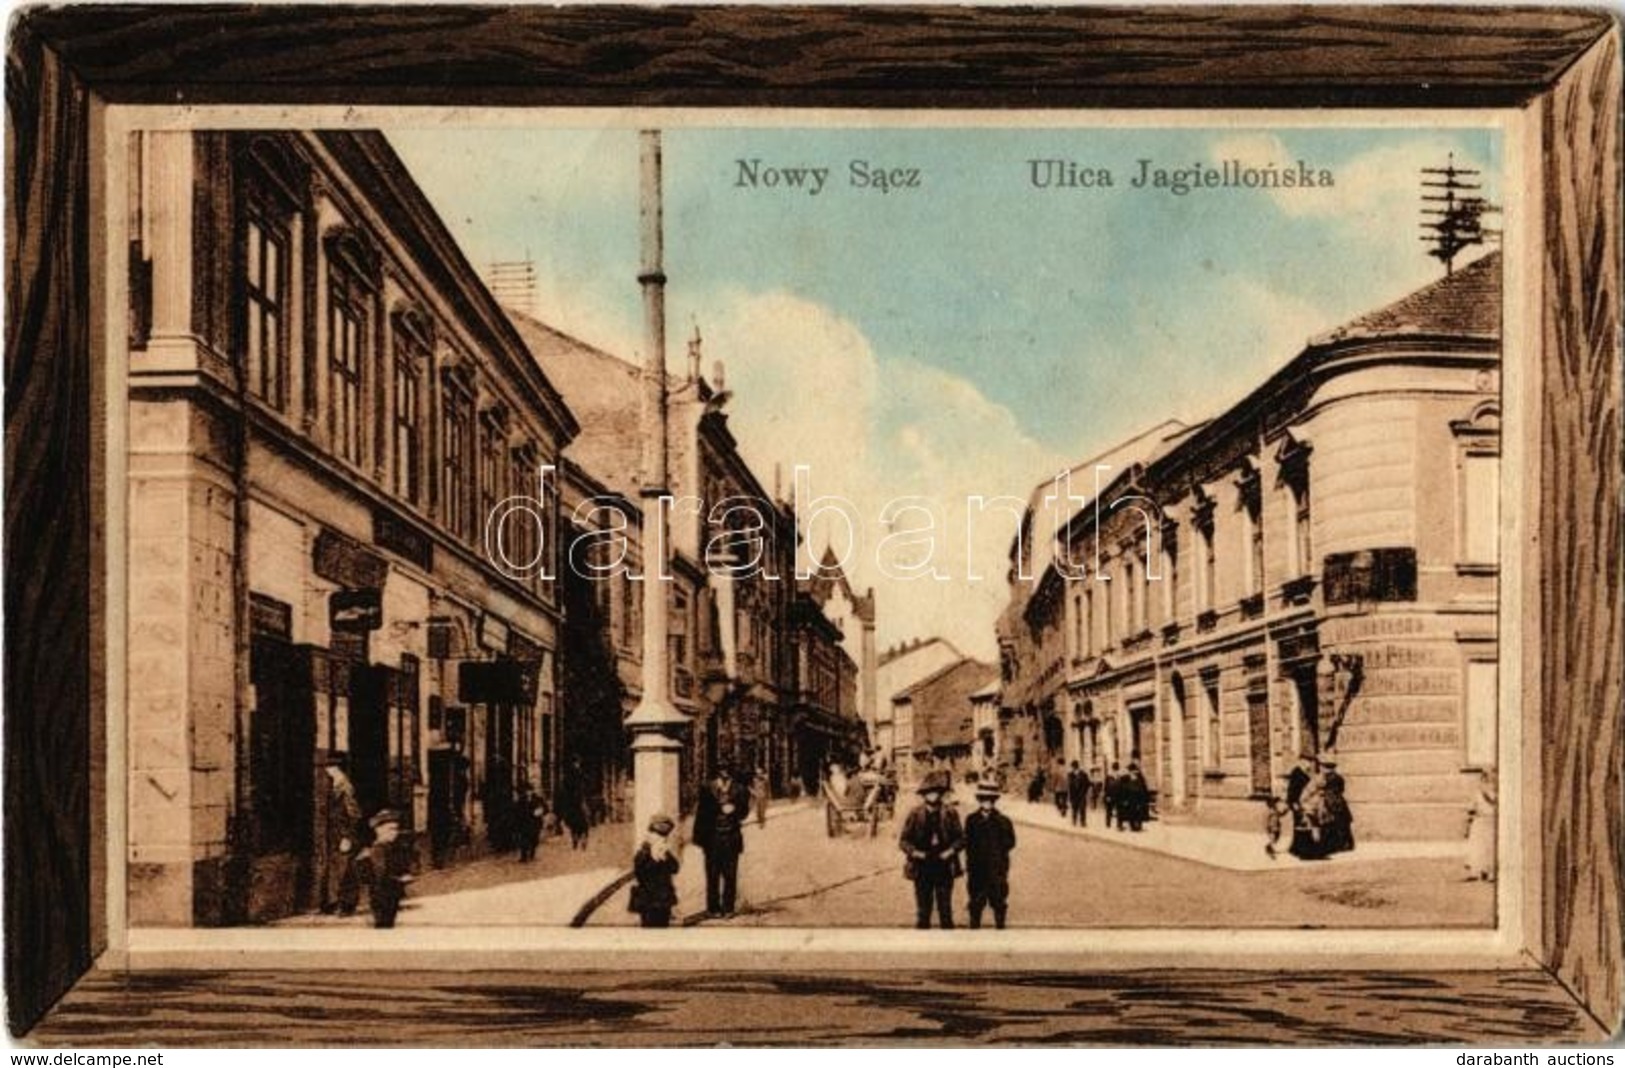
[
  {"x": 353, "y": 278},
  {"x": 270, "y": 184},
  {"x": 413, "y": 341}
]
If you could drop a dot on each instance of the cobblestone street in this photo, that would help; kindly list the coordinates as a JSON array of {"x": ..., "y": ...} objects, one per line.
[{"x": 792, "y": 875}]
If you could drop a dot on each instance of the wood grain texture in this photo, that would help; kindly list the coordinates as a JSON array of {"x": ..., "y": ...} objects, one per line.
[
  {"x": 47, "y": 533},
  {"x": 526, "y": 1009},
  {"x": 925, "y": 56},
  {"x": 942, "y": 57},
  {"x": 1581, "y": 569}
]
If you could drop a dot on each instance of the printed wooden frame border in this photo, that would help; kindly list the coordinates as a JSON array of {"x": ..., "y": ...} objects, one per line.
[{"x": 1560, "y": 66}]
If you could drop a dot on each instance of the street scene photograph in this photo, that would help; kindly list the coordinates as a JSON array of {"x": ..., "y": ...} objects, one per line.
[{"x": 813, "y": 525}]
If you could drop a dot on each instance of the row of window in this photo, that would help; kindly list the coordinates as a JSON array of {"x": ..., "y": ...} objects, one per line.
[
  {"x": 1126, "y": 614},
  {"x": 376, "y": 405}
]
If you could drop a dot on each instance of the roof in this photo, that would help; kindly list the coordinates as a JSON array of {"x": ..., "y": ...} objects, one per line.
[
  {"x": 602, "y": 390},
  {"x": 1460, "y": 313},
  {"x": 913, "y": 646},
  {"x": 1466, "y": 303}
]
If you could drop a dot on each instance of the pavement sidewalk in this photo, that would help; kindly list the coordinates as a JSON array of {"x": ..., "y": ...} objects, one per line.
[
  {"x": 497, "y": 889},
  {"x": 690, "y": 881},
  {"x": 1216, "y": 846}
]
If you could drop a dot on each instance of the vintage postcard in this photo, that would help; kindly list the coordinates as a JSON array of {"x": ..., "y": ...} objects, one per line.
[
  {"x": 772, "y": 538},
  {"x": 1041, "y": 523}
]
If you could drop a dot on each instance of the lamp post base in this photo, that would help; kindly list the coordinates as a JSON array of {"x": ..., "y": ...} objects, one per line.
[{"x": 657, "y": 757}]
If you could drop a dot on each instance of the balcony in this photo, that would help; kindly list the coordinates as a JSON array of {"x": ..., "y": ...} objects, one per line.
[
  {"x": 1170, "y": 634},
  {"x": 1252, "y": 606},
  {"x": 1206, "y": 621}
]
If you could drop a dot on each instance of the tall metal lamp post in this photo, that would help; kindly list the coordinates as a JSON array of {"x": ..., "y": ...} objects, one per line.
[{"x": 656, "y": 725}]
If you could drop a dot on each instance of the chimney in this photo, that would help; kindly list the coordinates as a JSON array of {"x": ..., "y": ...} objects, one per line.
[
  {"x": 694, "y": 355},
  {"x": 719, "y": 380}
]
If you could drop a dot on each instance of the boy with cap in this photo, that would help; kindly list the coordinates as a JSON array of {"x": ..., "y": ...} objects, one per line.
[
  {"x": 932, "y": 838},
  {"x": 378, "y": 868},
  {"x": 653, "y": 866},
  {"x": 989, "y": 839}
]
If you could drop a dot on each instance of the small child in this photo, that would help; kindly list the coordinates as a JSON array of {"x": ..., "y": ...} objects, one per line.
[
  {"x": 1276, "y": 816},
  {"x": 653, "y": 866}
]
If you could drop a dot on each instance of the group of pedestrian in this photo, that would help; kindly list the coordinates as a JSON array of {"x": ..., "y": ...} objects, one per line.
[
  {"x": 1127, "y": 797},
  {"x": 939, "y": 848},
  {"x": 1316, "y": 809}
]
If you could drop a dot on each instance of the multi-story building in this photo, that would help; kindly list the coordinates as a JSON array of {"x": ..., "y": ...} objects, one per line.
[
  {"x": 824, "y": 720},
  {"x": 1033, "y": 648},
  {"x": 731, "y": 546},
  {"x": 1312, "y": 570},
  {"x": 601, "y": 658},
  {"x": 854, "y": 616},
  {"x": 325, "y": 408}
]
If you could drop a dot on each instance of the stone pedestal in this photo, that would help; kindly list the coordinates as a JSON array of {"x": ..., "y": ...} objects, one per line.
[{"x": 657, "y": 772}]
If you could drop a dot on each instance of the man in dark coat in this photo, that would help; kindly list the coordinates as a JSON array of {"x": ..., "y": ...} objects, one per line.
[
  {"x": 1305, "y": 839},
  {"x": 719, "y": 830},
  {"x": 1057, "y": 785},
  {"x": 932, "y": 839},
  {"x": 1133, "y": 798},
  {"x": 1077, "y": 795},
  {"x": 989, "y": 838},
  {"x": 1336, "y": 821},
  {"x": 1114, "y": 790}
]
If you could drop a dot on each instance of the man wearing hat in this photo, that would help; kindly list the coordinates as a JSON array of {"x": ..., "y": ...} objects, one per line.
[
  {"x": 932, "y": 839},
  {"x": 377, "y": 868},
  {"x": 719, "y": 822},
  {"x": 989, "y": 839}
]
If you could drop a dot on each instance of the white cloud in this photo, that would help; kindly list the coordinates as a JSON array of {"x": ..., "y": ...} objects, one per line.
[{"x": 809, "y": 389}]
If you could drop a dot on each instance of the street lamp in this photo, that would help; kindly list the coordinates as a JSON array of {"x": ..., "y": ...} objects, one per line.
[{"x": 656, "y": 725}]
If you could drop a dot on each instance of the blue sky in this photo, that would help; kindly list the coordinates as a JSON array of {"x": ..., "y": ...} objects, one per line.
[{"x": 969, "y": 336}]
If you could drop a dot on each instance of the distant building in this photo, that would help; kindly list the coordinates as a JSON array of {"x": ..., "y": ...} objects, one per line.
[
  {"x": 824, "y": 720},
  {"x": 900, "y": 667},
  {"x": 939, "y": 709},
  {"x": 1313, "y": 570},
  {"x": 601, "y": 676},
  {"x": 1033, "y": 654},
  {"x": 732, "y": 662},
  {"x": 854, "y": 617},
  {"x": 987, "y": 734}
]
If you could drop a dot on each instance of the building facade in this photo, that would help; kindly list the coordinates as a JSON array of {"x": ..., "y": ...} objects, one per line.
[
  {"x": 731, "y": 573},
  {"x": 825, "y": 721},
  {"x": 601, "y": 673},
  {"x": 1312, "y": 571},
  {"x": 900, "y": 667},
  {"x": 854, "y": 617},
  {"x": 941, "y": 712},
  {"x": 326, "y": 408}
]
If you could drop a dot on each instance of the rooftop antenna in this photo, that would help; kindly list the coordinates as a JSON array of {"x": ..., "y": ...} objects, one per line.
[
  {"x": 1453, "y": 218},
  {"x": 513, "y": 283}
]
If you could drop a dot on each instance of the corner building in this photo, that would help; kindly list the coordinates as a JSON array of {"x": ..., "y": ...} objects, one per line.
[
  {"x": 325, "y": 405},
  {"x": 1313, "y": 570}
]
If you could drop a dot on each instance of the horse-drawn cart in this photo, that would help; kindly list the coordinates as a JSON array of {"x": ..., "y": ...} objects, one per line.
[{"x": 868, "y": 800}]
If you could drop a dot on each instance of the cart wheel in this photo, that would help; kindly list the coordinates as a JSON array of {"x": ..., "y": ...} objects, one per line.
[{"x": 832, "y": 821}]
